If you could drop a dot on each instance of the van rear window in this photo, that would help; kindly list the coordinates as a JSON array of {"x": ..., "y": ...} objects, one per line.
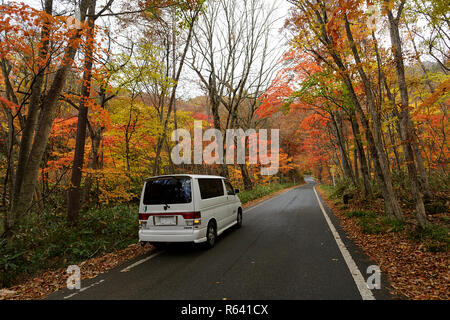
[
  {"x": 167, "y": 190},
  {"x": 210, "y": 188}
]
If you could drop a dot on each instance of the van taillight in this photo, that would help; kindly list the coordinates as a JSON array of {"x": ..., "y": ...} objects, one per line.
[
  {"x": 191, "y": 215},
  {"x": 186, "y": 215},
  {"x": 144, "y": 216}
]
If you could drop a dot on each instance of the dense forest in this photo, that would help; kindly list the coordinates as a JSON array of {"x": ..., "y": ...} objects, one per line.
[
  {"x": 88, "y": 110},
  {"x": 371, "y": 82}
]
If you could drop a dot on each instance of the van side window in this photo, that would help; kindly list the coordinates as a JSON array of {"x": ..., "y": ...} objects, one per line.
[
  {"x": 210, "y": 188},
  {"x": 229, "y": 187}
]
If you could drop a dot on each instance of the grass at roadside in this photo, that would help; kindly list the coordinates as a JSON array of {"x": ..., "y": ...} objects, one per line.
[
  {"x": 434, "y": 237},
  {"x": 45, "y": 241},
  {"x": 262, "y": 191}
]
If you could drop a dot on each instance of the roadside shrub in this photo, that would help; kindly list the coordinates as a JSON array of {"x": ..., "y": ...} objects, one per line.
[
  {"x": 359, "y": 214},
  {"x": 339, "y": 190},
  {"x": 329, "y": 189},
  {"x": 345, "y": 190},
  {"x": 435, "y": 237},
  {"x": 372, "y": 223},
  {"x": 392, "y": 224},
  {"x": 260, "y": 191},
  {"x": 46, "y": 240},
  {"x": 440, "y": 183},
  {"x": 369, "y": 225}
]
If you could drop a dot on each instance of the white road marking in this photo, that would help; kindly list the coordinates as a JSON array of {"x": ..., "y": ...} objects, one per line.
[
  {"x": 361, "y": 284},
  {"x": 83, "y": 289},
  {"x": 71, "y": 295},
  {"x": 256, "y": 206},
  {"x": 141, "y": 261}
]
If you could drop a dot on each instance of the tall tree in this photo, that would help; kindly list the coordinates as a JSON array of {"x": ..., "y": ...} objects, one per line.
[
  {"x": 406, "y": 131},
  {"x": 28, "y": 166},
  {"x": 234, "y": 59},
  {"x": 73, "y": 203}
]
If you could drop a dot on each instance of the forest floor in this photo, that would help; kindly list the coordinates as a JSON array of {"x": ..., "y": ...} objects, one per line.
[
  {"x": 417, "y": 267},
  {"x": 46, "y": 282}
]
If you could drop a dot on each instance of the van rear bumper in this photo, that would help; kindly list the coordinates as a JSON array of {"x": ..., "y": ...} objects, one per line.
[{"x": 196, "y": 236}]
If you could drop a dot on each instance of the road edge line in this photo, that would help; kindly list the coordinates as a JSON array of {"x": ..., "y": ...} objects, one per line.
[
  {"x": 361, "y": 284},
  {"x": 141, "y": 261}
]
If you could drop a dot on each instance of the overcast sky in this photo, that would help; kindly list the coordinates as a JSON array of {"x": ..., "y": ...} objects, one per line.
[{"x": 277, "y": 41}]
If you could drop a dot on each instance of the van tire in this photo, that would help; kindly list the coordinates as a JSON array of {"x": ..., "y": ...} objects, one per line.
[
  {"x": 211, "y": 235},
  {"x": 239, "y": 219}
]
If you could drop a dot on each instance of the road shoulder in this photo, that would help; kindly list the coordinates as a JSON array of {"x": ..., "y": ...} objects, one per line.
[{"x": 361, "y": 258}]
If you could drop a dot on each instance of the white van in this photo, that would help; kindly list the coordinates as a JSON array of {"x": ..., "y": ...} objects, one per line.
[{"x": 187, "y": 208}]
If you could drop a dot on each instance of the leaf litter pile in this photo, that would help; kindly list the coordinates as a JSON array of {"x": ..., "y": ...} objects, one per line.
[{"x": 414, "y": 272}]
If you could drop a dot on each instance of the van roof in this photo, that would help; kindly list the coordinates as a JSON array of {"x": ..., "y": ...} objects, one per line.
[{"x": 187, "y": 175}]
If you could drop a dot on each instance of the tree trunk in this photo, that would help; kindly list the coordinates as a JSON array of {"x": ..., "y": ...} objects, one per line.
[
  {"x": 33, "y": 107},
  {"x": 159, "y": 145},
  {"x": 96, "y": 136},
  {"x": 174, "y": 63},
  {"x": 22, "y": 203},
  {"x": 346, "y": 166},
  {"x": 424, "y": 182},
  {"x": 362, "y": 157},
  {"x": 173, "y": 94},
  {"x": 394, "y": 148},
  {"x": 376, "y": 145},
  {"x": 215, "y": 103},
  {"x": 38, "y": 198},
  {"x": 171, "y": 164},
  {"x": 406, "y": 131},
  {"x": 355, "y": 160},
  {"x": 74, "y": 203},
  {"x": 248, "y": 184}
]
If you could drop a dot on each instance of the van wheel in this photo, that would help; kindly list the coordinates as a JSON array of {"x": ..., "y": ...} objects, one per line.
[
  {"x": 211, "y": 235},
  {"x": 239, "y": 219}
]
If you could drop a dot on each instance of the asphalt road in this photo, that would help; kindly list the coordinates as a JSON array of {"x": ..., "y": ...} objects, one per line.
[{"x": 284, "y": 250}]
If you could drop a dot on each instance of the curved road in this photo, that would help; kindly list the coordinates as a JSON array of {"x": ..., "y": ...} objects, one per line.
[{"x": 285, "y": 249}]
